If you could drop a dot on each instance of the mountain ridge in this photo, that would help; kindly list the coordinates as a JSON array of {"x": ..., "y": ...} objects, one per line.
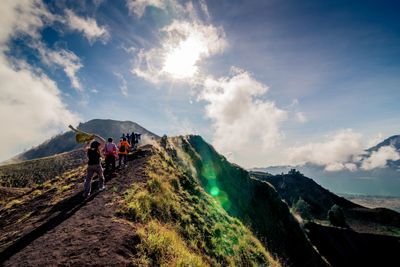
[{"x": 65, "y": 142}]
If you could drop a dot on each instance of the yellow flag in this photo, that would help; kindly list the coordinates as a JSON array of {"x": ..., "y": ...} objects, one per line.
[{"x": 82, "y": 137}]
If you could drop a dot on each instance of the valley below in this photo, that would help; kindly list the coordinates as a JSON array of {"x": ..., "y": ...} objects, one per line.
[{"x": 392, "y": 203}]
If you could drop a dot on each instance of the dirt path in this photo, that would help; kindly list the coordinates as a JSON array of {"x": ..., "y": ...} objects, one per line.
[{"x": 89, "y": 233}]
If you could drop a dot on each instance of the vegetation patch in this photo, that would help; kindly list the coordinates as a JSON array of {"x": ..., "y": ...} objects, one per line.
[
  {"x": 180, "y": 224},
  {"x": 162, "y": 246}
]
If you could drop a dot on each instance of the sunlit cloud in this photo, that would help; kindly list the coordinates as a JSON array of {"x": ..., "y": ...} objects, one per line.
[
  {"x": 182, "y": 49},
  {"x": 187, "y": 44},
  {"x": 241, "y": 120}
]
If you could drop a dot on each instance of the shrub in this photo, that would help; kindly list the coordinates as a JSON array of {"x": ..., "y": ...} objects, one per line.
[
  {"x": 336, "y": 216},
  {"x": 302, "y": 208}
]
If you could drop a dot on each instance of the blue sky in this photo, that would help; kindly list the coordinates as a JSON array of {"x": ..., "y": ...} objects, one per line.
[{"x": 269, "y": 79}]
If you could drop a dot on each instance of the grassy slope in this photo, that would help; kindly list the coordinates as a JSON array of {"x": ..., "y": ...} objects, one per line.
[
  {"x": 179, "y": 224},
  {"x": 254, "y": 202}
]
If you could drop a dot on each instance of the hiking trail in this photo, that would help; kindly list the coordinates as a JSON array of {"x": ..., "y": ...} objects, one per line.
[{"x": 81, "y": 232}]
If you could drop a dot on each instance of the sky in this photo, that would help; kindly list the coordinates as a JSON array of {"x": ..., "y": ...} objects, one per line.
[{"x": 267, "y": 82}]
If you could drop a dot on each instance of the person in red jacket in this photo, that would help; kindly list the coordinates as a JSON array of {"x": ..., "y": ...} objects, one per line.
[{"x": 123, "y": 148}]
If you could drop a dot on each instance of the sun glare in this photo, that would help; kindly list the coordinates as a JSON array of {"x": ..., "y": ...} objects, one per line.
[{"x": 180, "y": 62}]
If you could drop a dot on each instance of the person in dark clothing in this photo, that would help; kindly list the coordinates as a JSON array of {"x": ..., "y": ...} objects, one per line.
[
  {"x": 133, "y": 139},
  {"x": 138, "y": 136},
  {"x": 128, "y": 138},
  {"x": 94, "y": 165}
]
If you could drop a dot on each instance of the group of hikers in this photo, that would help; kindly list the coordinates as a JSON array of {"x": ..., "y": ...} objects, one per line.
[{"x": 111, "y": 152}]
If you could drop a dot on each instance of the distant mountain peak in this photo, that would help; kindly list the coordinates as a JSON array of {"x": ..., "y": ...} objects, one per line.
[
  {"x": 391, "y": 141},
  {"x": 65, "y": 142}
]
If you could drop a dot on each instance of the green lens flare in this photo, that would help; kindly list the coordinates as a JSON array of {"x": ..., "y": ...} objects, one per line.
[{"x": 214, "y": 191}]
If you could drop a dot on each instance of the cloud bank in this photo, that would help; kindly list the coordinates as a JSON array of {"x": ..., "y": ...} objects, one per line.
[
  {"x": 342, "y": 151},
  {"x": 379, "y": 159},
  {"x": 334, "y": 153},
  {"x": 31, "y": 108},
  {"x": 241, "y": 119}
]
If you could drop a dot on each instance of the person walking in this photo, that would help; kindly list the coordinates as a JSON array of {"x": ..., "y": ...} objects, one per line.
[
  {"x": 133, "y": 141},
  {"x": 111, "y": 152},
  {"x": 123, "y": 148},
  {"x": 128, "y": 138},
  {"x": 94, "y": 165}
]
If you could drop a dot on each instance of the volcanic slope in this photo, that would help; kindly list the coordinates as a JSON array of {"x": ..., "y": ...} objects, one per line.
[
  {"x": 65, "y": 142},
  {"x": 154, "y": 212}
]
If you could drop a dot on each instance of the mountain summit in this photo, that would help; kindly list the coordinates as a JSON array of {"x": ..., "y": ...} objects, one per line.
[
  {"x": 65, "y": 142},
  {"x": 391, "y": 141}
]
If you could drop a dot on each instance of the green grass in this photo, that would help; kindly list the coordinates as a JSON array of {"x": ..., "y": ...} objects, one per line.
[
  {"x": 181, "y": 225},
  {"x": 162, "y": 246}
]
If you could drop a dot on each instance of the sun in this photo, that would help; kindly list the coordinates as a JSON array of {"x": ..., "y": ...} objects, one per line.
[{"x": 181, "y": 61}]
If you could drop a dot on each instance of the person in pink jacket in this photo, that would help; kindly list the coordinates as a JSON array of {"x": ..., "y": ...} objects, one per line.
[{"x": 111, "y": 153}]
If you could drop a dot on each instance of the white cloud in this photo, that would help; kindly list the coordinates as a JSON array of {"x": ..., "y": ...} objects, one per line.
[
  {"x": 204, "y": 9},
  {"x": 342, "y": 151},
  {"x": 300, "y": 117},
  {"x": 378, "y": 159},
  {"x": 334, "y": 153},
  {"x": 31, "y": 108},
  {"x": 375, "y": 140},
  {"x": 338, "y": 166},
  {"x": 123, "y": 86},
  {"x": 242, "y": 121},
  {"x": 138, "y": 7},
  {"x": 88, "y": 27},
  {"x": 21, "y": 16},
  {"x": 182, "y": 49},
  {"x": 67, "y": 60}
]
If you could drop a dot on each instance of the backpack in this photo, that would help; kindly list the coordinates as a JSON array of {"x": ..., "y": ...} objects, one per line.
[
  {"x": 106, "y": 151},
  {"x": 122, "y": 148}
]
